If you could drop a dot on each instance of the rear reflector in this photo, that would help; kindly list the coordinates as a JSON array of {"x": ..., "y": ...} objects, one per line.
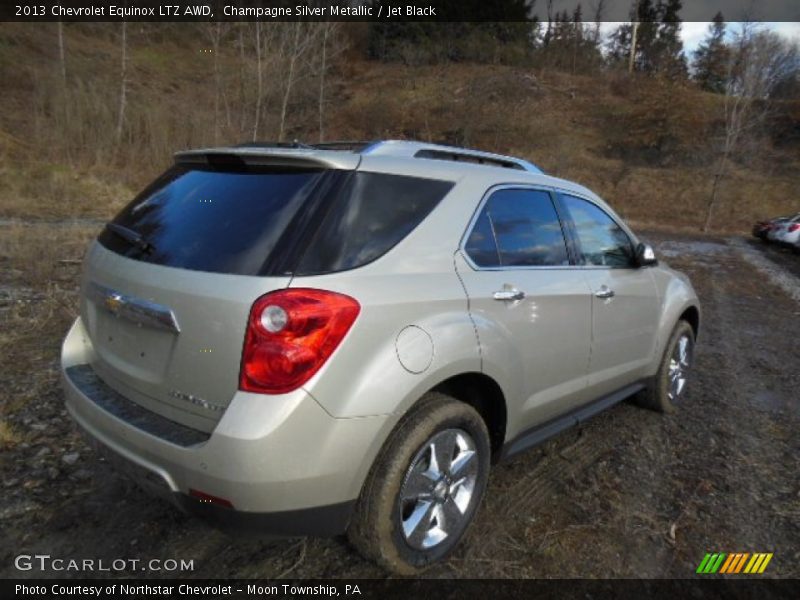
[{"x": 209, "y": 499}]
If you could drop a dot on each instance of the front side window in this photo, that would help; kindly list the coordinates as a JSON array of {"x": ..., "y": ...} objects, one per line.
[
  {"x": 518, "y": 228},
  {"x": 602, "y": 241}
]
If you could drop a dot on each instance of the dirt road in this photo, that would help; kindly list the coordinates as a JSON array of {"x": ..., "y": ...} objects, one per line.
[{"x": 632, "y": 494}]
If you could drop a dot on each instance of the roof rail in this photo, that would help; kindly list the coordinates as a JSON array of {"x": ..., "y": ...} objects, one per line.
[
  {"x": 353, "y": 146},
  {"x": 294, "y": 144},
  {"x": 407, "y": 149},
  {"x": 441, "y": 152}
]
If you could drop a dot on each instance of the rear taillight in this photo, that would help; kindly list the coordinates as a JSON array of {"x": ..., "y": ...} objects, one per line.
[
  {"x": 794, "y": 227},
  {"x": 290, "y": 335}
]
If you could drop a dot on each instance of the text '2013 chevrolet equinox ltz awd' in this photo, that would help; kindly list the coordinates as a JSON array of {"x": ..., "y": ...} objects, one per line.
[{"x": 317, "y": 340}]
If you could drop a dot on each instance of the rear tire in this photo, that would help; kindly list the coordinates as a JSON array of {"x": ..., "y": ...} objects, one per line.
[
  {"x": 425, "y": 486},
  {"x": 665, "y": 390}
]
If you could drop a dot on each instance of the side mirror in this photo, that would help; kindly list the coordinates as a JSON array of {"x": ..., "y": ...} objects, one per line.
[{"x": 645, "y": 255}]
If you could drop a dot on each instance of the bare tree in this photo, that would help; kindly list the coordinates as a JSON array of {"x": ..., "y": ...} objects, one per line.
[
  {"x": 243, "y": 76},
  {"x": 599, "y": 12},
  {"x": 326, "y": 30},
  {"x": 259, "y": 81},
  {"x": 332, "y": 45},
  {"x": 301, "y": 37},
  {"x": 759, "y": 61},
  {"x": 61, "y": 54},
  {"x": 216, "y": 32},
  {"x": 634, "y": 36},
  {"x": 123, "y": 83}
]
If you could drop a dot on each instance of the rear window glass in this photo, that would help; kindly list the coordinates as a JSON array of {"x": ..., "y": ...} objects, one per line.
[
  {"x": 371, "y": 215},
  {"x": 270, "y": 221},
  {"x": 207, "y": 220}
]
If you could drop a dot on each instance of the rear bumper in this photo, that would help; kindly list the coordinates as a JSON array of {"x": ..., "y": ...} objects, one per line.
[
  {"x": 326, "y": 521},
  {"x": 284, "y": 464}
]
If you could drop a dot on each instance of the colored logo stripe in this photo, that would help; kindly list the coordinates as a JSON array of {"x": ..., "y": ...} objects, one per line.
[
  {"x": 711, "y": 563},
  {"x": 736, "y": 562},
  {"x": 758, "y": 563}
]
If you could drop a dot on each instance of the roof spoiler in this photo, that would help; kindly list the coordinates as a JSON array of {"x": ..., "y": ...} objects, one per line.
[{"x": 260, "y": 156}]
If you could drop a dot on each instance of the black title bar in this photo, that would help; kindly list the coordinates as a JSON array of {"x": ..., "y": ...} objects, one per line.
[
  {"x": 376, "y": 10},
  {"x": 711, "y": 588}
]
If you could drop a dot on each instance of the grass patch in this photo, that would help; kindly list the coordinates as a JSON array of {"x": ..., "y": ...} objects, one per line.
[
  {"x": 56, "y": 191},
  {"x": 8, "y": 435}
]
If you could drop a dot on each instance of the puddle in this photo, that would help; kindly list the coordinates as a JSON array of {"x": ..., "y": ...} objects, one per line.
[
  {"x": 673, "y": 248},
  {"x": 773, "y": 272}
]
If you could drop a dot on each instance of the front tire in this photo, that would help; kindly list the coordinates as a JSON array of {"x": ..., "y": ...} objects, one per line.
[
  {"x": 425, "y": 486},
  {"x": 666, "y": 389}
]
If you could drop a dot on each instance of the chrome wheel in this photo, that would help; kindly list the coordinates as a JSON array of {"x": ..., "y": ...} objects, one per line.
[
  {"x": 679, "y": 364},
  {"x": 438, "y": 489}
]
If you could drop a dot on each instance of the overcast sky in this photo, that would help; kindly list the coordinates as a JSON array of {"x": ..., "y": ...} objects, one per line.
[
  {"x": 694, "y": 32},
  {"x": 787, "y": 11}
]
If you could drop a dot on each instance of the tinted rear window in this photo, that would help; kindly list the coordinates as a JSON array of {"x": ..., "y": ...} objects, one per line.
[
  {"x": 206, "y": 220},
  {"x": 271, "y": 221}
]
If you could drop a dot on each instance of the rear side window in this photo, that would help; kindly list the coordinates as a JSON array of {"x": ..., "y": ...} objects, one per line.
[
  {"x": 602, "y": 241},
  {"x": 518, "y": 228},
  {"x": 371, "y": 214},
  {"x": 218, "y": 221}
]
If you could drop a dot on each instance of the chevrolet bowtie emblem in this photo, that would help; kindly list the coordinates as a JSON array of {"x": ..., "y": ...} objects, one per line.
[{"x": 113, "y": 302}]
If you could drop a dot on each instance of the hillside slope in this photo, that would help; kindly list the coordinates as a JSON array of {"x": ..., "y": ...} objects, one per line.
[{"x": 646, "y": 145}]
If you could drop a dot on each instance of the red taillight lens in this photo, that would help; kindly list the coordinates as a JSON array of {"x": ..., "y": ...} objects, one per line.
[
  {"x": 290, "y": 335},
  {"x": 794, "y": 226}
]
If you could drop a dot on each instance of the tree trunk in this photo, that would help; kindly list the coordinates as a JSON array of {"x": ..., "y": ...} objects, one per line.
[
  {"x": 712, "y": 201},
  {"x": 634, "y": 34},
  {"x": 61, "y": 55},
  {"x": 242, "y": 79},
  {"x": 322, "y": 70},
  {"x": 123, "y": 84},
  {"x": 289, "y": 79},
  {"x": 216, "y": 44},
  {"x": 259, "y": 82}
]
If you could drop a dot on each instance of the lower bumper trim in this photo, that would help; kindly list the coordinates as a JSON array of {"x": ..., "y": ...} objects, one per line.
[{"x": 319, "y": 521}]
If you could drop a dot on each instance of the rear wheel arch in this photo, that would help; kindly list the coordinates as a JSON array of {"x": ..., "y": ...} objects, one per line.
[{"x": 484, "y": 394}]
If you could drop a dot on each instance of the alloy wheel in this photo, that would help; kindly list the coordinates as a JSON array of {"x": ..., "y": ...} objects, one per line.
[{"x": 438, "y": 489}]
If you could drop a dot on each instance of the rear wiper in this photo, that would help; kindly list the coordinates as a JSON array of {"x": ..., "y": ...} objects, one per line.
[{"x": 131, "y": 236}]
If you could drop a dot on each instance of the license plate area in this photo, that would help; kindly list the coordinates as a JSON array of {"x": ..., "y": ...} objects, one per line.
[{"x": 132, "y": 348}]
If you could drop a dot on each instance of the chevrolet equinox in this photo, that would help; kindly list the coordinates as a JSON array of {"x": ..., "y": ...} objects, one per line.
[{"x": 313, "y": 340}]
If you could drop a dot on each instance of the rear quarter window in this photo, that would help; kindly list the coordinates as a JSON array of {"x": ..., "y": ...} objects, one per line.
[{"x": 372, "y": 214}]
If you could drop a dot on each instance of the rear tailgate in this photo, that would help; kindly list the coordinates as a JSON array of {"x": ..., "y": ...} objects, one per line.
[
  {"x": 168, "y": 286},
  {"x": 184, "y": 367}
]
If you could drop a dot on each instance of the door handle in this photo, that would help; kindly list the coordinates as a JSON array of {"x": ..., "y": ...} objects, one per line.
[
  {"x": 604, "y": 292},
  {"x": 510, "y": 294}
]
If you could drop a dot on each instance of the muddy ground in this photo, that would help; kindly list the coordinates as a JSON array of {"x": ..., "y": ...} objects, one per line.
[{"x": 631, "y": 494}]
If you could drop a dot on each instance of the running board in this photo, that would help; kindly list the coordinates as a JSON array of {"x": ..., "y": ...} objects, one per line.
[{"x": 541, "y": 433}]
